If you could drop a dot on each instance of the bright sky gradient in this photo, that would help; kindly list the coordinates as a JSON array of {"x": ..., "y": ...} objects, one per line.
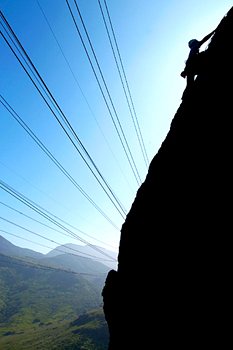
[{"x": 152, "y": 37}]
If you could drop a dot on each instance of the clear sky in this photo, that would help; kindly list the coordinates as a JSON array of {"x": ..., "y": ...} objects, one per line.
[{"x": 152, "y": 38}]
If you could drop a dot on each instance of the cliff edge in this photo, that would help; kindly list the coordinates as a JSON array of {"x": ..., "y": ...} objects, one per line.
[{"x": 172, "y": 287}]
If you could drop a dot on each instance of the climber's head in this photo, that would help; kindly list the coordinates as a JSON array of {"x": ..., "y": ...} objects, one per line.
[{"x": 192, "y": 42}]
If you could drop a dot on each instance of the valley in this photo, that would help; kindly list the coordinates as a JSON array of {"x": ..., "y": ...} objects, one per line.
[{"x": 41, "y": 295}]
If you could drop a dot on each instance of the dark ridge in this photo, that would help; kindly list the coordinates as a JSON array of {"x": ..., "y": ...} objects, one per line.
[{"x": 172, "y": 287}]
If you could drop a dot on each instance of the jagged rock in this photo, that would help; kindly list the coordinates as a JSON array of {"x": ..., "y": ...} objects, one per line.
[{"x": 172, "y": 287}]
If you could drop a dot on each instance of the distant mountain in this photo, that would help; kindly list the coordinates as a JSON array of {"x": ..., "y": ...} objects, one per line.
[
  {"x": 7, "y": 247},
  {"x": 77, "y": 264},
  {"x": 80, "y": 265},
  {"x": 33, "y": 297},
  {"x": 65, "y": 258},
  {"x": 83, "y": 250}
]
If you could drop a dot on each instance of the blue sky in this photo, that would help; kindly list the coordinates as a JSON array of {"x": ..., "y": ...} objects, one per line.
[{"x": 152, "y": 37}]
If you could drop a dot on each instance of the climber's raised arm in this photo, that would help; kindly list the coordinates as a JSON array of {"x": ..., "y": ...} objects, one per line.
[{"x": 207, "y": 37}]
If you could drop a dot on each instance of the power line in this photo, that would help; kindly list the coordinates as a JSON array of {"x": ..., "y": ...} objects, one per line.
[
  {"x": 51, "y": 228},
  {"x": 43, "y": 267},
  {"x": 134, "y": 117},
  {"x": 42, "y": 245},
  {"x": 89, "y": 256},
  {"x": 126, "y": 145},
  {"x": 53, "y": 159},
  {"x": 47, "y": 92},
  {"x": 39, "y": 210},
  {"x": 82, "y": 93},
  {"x": 50, "y": 240},
  {"x": 96, "y": 172},
  {"x": 54, "y": 200},
  {"x": 108, "y": 93},
  {"x": 126, "y": 81}
]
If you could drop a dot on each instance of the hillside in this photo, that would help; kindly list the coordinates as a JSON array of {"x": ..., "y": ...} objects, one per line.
[
  {"x": 31, "y": 297},
  {"x": 80, "y": 265},
  {"x": 7, "y": 247},
  {"x": 88, "y": 332},
  {"x": 182, "y": 215},
  {"x": 84, "y": 251}
]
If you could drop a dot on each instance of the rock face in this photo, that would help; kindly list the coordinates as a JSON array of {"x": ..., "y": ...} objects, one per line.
[{"x": 175, "y": 290}]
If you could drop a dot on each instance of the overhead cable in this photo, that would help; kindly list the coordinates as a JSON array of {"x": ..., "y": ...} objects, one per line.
[
  {"x": 47, "y": 215},
  {"x": 51, "y": 228},
  {"x": 118, "y": 128},
  {"x": 82, "y": 93},
  {"x": 30, "y": 263},
  {"x": 61, "y": 205},
  {"x": 53, "y": 159},
  {"x": 89, "y": 256},
  {"x": 45, "y": 246},
  {"x": 133, "y": 114},
  {"x": 47, "y": 96}
]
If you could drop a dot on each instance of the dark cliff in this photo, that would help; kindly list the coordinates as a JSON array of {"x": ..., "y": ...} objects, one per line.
[{"x": 172, "y": 287}]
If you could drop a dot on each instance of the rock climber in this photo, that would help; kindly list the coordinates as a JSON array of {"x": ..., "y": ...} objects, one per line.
[{"x": 192, "y": 62}]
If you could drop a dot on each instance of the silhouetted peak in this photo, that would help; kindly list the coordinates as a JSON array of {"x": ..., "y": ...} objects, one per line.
[{"x": 172, "y": 284}]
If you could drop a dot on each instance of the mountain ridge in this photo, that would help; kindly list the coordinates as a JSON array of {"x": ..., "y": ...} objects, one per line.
[
  {"x": 85, "y": 251},
  {"x": 182, "y": 212},
  {"x": 70, "y": 249},
  {"x": 7, "y": 247}
]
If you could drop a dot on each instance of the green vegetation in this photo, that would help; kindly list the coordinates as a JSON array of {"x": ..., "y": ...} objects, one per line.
[
  {"x": 87, "y": 332},
  {"x": 30, "y": 297},
  {"x": 51, "y": 310}
]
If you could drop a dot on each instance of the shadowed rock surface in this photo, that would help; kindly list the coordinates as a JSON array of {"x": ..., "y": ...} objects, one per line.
[{"x": 172, "y": 287}]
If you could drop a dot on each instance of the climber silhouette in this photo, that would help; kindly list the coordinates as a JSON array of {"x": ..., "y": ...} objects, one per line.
[{"x": 193, "y": 61}]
